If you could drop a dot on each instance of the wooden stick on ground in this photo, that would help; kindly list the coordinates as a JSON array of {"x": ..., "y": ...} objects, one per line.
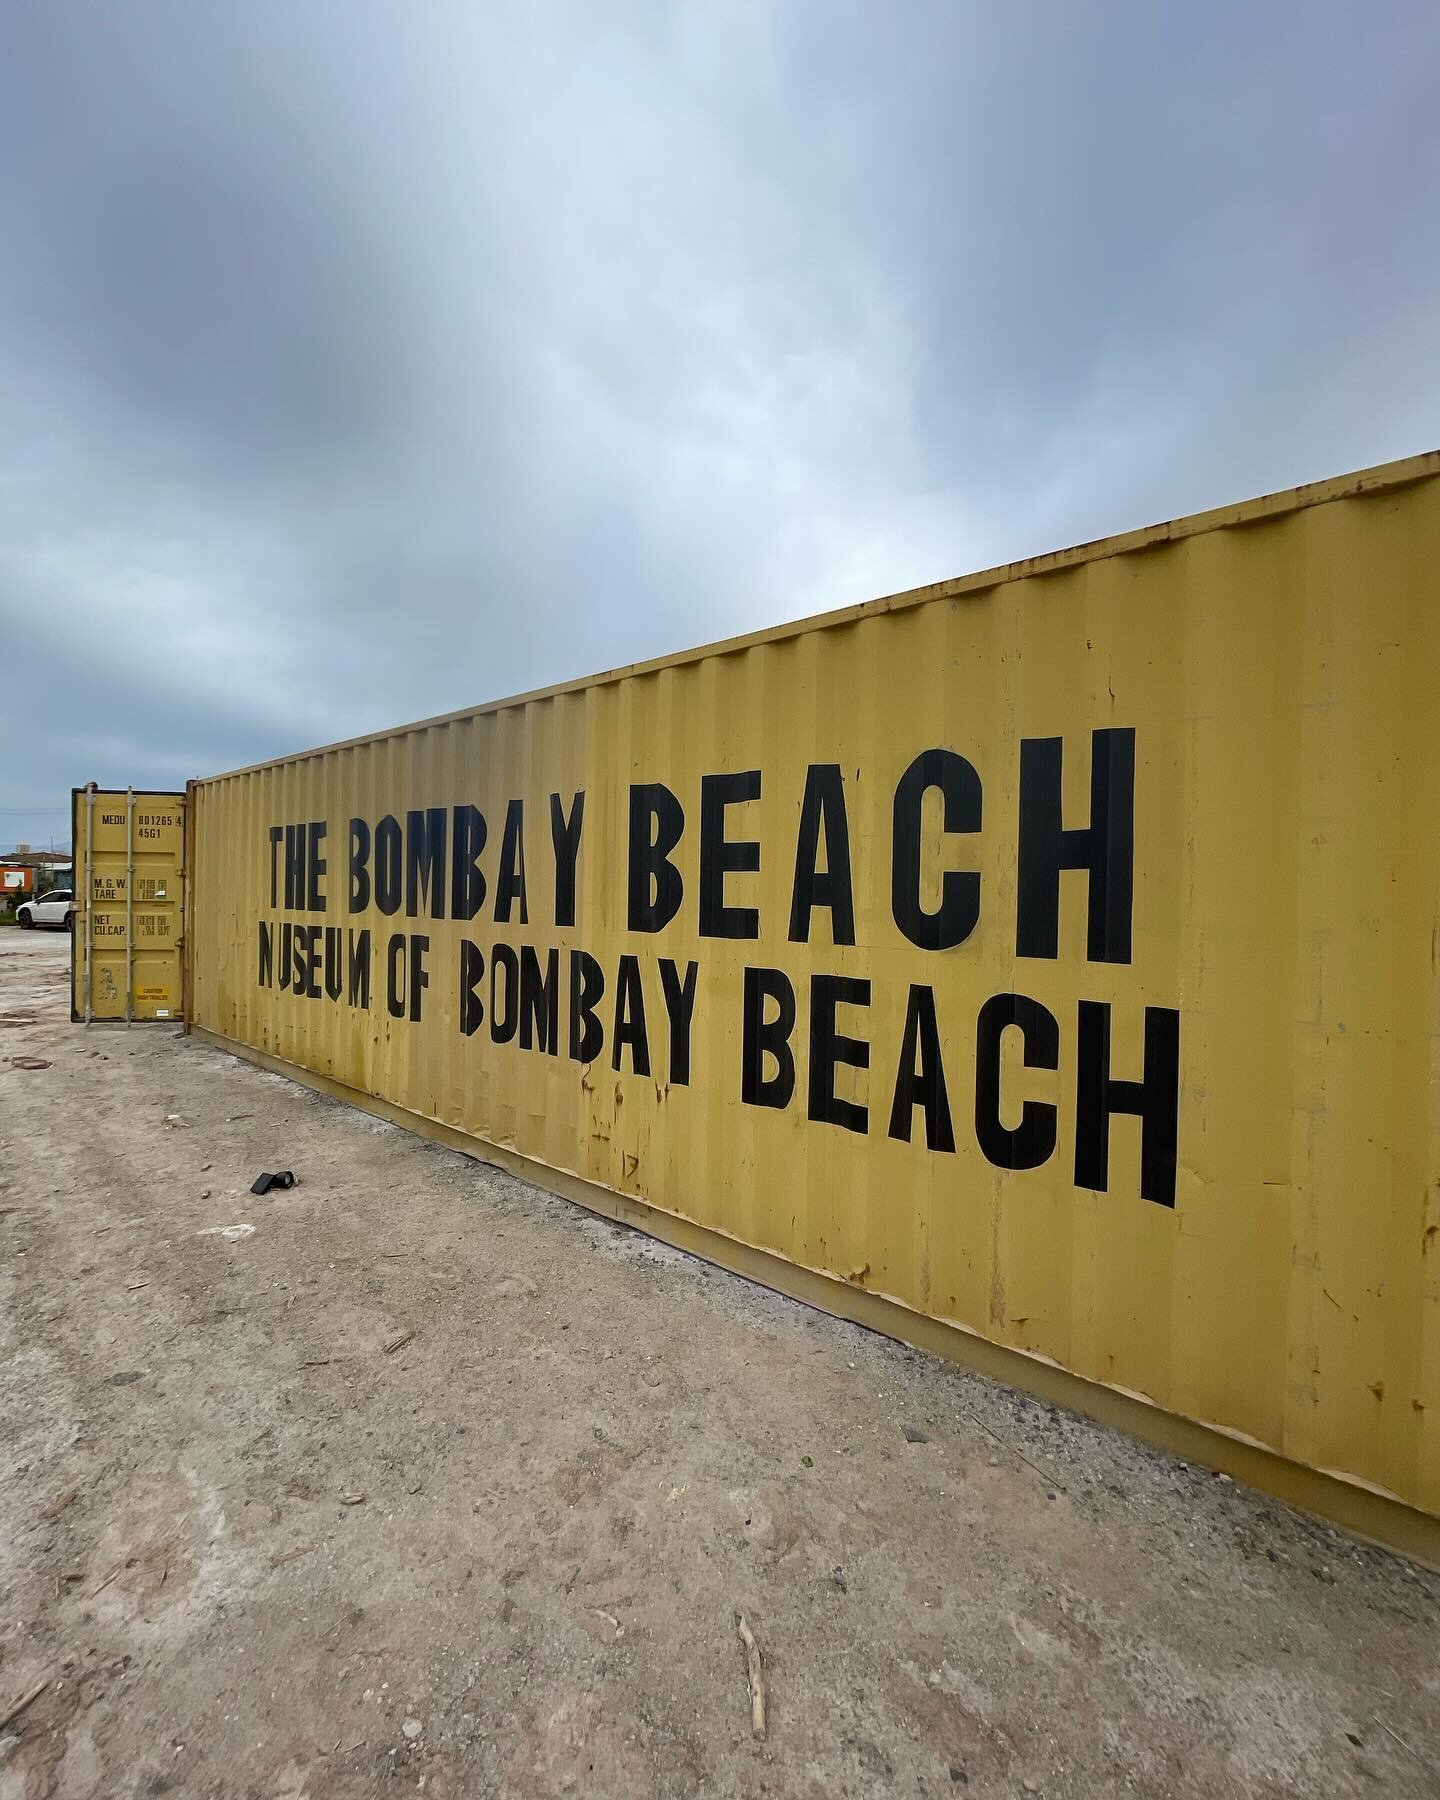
[
  {"x": 1004, "y": 1445},
  {"x": 33, "y": 1694},
  {"x": 1424, "y": 1764},
  {"x": 755, "y": 1670}
]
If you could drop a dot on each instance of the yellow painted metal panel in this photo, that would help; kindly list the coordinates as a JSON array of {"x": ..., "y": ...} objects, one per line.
[
  {"x": 1121, "y": 1054},
  {"x": 128, "y": 851}
]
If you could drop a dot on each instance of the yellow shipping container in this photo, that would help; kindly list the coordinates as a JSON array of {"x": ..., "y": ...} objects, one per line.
[
  {"x": 128, "y": 851},
  {"x": 1041, "y": 966}
]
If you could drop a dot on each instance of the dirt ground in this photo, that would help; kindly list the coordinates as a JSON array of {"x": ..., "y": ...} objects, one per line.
[{"x": 255, "y": 1550}]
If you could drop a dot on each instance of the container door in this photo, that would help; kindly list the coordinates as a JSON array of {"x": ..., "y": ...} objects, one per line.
[{"x": 129, "y": 850}]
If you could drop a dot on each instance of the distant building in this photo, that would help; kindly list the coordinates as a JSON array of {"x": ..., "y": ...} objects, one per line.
[
  {"x": 28, "y": 857},
  {"x": 30, "y": 871}
]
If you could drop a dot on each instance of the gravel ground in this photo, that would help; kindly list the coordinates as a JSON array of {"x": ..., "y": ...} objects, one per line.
[{"x": 416, "y": 1479}]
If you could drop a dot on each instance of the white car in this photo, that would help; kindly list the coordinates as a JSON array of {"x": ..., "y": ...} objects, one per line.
[{"x": 56, "y": 908}]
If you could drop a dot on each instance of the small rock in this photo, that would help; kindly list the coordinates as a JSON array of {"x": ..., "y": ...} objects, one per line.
[
  {"x": 205, "y": 1168},
  {"x": 205, "y": 1193},
  {"x": 914, "y": 1435},
  {"x": 352, "y": 1499},
  {"x": 1030, "y": 1785},
  {"x": 412, "y": 1729},
  {"x": 957, "y": 1773},
  {"x": 994, "y": 1462}
]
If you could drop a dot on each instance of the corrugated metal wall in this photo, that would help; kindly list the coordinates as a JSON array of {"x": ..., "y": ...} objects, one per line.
[
  {"x": 129, "y": 851},
  {"x": 1277, "y": 667}
]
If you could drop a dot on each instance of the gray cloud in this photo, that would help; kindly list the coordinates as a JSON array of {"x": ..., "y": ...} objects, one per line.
[{"x": 358, "y": 362}]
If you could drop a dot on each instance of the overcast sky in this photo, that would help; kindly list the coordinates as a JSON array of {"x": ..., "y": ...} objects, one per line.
[{"x": 359, "y": 361}]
